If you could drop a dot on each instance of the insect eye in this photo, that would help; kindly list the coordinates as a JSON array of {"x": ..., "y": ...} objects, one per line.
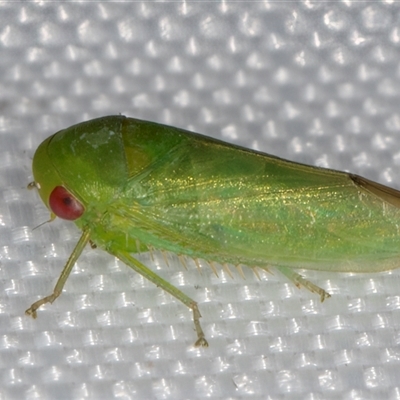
[{"x": 64, "y": 205}]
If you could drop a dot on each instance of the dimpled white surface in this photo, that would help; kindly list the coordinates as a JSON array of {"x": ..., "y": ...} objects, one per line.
[{"x": 315, "y": 82}]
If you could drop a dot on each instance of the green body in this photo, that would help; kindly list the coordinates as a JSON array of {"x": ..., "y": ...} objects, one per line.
[
  {"x": 173, "y": 190},
  {"x": 144, "y": 186},
  {"x": 165, "y": 188}
]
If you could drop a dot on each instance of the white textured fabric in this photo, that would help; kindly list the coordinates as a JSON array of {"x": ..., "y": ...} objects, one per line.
[{"x": 316, "y": 82}]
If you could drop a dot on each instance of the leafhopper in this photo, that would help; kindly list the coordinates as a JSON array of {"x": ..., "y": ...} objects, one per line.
[{"x": 133, "y": 186}]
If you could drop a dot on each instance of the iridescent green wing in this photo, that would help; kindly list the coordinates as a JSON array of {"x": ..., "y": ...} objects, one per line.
[{"x": 220, "y": 202}]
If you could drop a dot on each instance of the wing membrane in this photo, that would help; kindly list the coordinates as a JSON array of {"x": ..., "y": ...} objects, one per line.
[{"x": 231, "y": 205}]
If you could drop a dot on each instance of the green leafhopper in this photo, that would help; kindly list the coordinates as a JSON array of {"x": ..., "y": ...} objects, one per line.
[{"x": 132, "y": 186}]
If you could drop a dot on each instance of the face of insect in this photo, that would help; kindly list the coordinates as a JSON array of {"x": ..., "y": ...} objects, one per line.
[
  {"x": 60, "y": 201},
  {"x": 80, "y": 165}
]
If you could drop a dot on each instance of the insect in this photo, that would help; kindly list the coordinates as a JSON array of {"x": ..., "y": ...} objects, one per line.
[{"x": 132, "y": 186}]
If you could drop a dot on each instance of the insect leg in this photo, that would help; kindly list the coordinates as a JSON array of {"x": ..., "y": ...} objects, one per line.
[
  {"x": 298, "y": 280},
  {"x": 64, "y": 275},
  {"x": 157, "y": 280}
]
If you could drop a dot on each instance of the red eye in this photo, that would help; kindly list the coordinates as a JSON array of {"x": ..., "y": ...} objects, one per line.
[{"x": 64, "y": 205}]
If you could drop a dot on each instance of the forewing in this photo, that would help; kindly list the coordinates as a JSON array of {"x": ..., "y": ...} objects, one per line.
[{"x": 230, "y": 205}]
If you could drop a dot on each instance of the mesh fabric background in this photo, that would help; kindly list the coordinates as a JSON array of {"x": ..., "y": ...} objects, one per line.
[{"x": 315, "y": 82}]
